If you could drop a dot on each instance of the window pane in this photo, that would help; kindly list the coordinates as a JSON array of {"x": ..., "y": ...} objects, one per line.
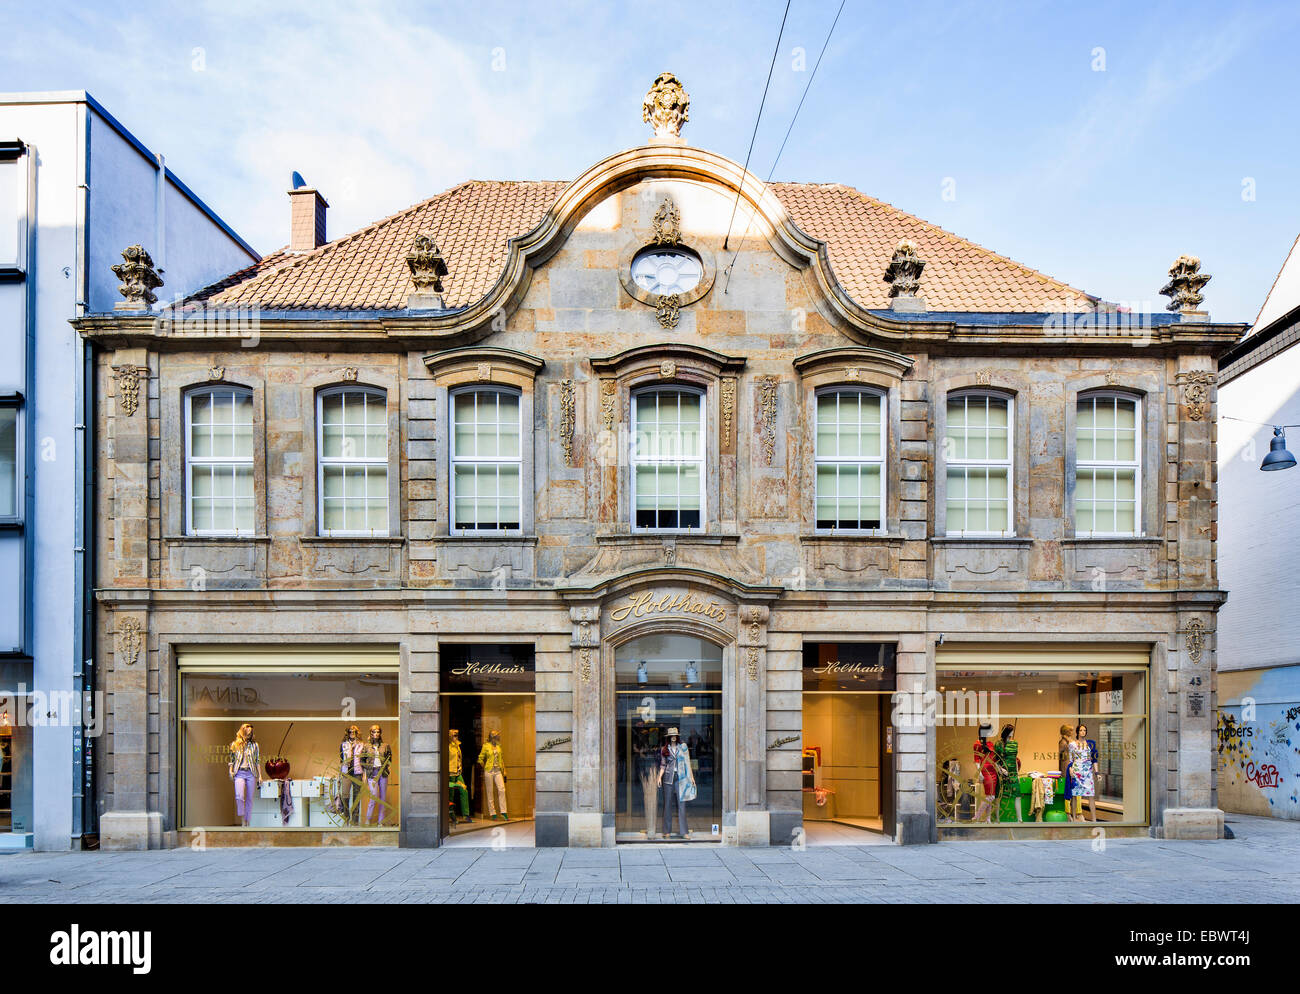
[
  {"x": 377, "y": 482},
  {"x": 8, "y": 461},
  {"x": 997, "y": 443},
  {"x": 1086, "y": 417},
  {"x": 332, "y": 479},
  {"x": 690, "y": 488}
]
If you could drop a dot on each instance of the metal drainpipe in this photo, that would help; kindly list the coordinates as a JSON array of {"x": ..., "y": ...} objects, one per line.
[{"x": 84, "y": 820}]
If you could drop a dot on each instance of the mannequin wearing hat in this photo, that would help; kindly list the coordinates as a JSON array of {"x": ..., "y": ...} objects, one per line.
[
  {"x": 494, "y": 775},
  {"x": 455, "y": 778},
  {"x": 676, "y": 781}
]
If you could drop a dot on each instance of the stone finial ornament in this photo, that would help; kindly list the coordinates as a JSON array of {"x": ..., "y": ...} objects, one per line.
[
  {"x": 1185, "y": 284},
  {"x": 903, "y": 274},
  {"x": 667, "y": 106},
  {"x": 139, "y": 280},
  {"x": 427, "y": 265}
]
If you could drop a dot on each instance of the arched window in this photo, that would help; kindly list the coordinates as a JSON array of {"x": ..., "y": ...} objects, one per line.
[
  {"x": 850, "y": 456},
  {"x": 219, "y": 461},
  {"x": 1108, "y": 465},
  {"x": 978, "y": 451},
  {"x": 486, "y": 461},
  {"x": 352, "y": 461}
]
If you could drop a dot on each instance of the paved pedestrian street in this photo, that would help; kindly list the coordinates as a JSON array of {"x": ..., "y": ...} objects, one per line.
[{"x": 1262, "y": 864}]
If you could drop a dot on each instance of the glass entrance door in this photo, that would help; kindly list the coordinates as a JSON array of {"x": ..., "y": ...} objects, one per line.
[{"x": 666, "y": 682}]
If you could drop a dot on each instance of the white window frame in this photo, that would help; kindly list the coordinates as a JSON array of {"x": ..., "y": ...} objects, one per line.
[
  {"x": 1009, "y": 463},
  {"x": 820, "y": 460},
  {"x": 14, "y": 402},
  {"x": 1136, "y": 464},
  {"x": 191, "y": 461},
  {"x": 453, "y": 460},
  {"x": 322, "y": 461},
  {"x": 635, "y": 458}
]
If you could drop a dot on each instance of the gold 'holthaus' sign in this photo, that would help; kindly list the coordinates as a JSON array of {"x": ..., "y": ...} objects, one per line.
[{"x": 653, "y": 602}]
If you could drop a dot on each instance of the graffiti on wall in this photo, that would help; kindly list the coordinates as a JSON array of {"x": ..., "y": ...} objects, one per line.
[{"x": 1258, "y": 742}]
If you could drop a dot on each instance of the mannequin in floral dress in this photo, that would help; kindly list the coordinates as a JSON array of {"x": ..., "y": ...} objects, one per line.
[{"x": 1083, "y": 766}]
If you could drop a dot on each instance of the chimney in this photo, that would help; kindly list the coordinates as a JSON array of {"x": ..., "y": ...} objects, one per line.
[{"x": 306, "y": 216}]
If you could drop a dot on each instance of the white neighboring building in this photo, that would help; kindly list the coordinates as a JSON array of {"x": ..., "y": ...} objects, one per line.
[
  {"x": 1259, "y": 540},
  {"x": 76, "y": 188}
]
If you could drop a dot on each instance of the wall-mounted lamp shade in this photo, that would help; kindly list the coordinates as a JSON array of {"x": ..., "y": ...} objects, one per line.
[{"x": 1278, "y": 457}]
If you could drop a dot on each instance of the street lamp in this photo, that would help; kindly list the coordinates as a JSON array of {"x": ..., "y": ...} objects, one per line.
[{"x": 1278, "y": 457}]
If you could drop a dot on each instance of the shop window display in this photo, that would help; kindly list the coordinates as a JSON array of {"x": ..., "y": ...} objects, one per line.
[
  {"x": 289, "y": 750},
  {"x": 15, "y": 765},
  {"x": 489, "y": 738},
  {"x": 668, "y": 696},
  {"x": 1047, "y": 746}
]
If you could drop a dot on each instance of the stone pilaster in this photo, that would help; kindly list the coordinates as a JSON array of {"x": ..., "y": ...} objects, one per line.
[
  {"x": 129, "y": 375},
  {"x": 1196, "y": 816},
  {"x": 753, "y": 823},
  {"x": 129, "y": 824},
  {"x": 589, "y": 824}
]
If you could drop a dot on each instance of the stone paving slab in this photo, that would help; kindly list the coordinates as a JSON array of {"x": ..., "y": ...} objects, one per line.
[{"x": 1261, "y": 865}]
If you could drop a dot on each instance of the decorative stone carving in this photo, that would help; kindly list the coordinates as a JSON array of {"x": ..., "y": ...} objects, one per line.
[
  {"x": 983, "y": 377},
  {"x": 852, "y": 373},
  {"x": 484, "y": 372},
  {"x": 217, "y": 373},
  {"x": 427, "y": 265},
  {"x": 139, "y": 280},
  {"x": 130, "y": 640},
  {"x": 584, "y": 653},
  {"x": 349, "y": 374},
  {"x": 667, "y": 106},
  {"x": 755, "y": 638},
  {"x": 567, "y": 420},
  {"x": 1194, "y": 639},
  {"x": 128, "y": 387},
  {"x": 1185, "y": 284},
  {"x": 767, "y": 416},
  {"x": 903, "y": 274},
  {"x": 1112, "y": 378},
  {"x": 728, "y": 401},
  {"x": 667, "y": 224},
  {"x": 1196, "y": 392},
  {"x": 608, "y": 399},
  {"x": 669, "y": 310},
  {"x": 667, "y": 369}
]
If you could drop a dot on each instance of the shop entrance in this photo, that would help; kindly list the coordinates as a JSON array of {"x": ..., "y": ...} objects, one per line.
[
  {"x": 665, "y": 682},
  {"x": 848, "y": 740},
  {"x": 489, "y": 779}
]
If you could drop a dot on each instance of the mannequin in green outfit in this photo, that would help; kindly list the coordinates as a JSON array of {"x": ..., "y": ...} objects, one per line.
[
  {"x": 455, "y": 778},
  {"x": 1008, "y": 767}
]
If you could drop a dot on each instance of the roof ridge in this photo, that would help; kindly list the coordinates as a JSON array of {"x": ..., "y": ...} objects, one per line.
[{"x": 953, "y": 235}]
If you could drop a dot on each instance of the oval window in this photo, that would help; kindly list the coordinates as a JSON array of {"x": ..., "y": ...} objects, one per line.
[{"x": 666, "y": 271}]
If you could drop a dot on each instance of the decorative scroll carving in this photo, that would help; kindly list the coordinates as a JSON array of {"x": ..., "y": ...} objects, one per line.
[
  {"x": 567, "y": 419},
  {"x": 903, "y": 274},
  {"x": 130, "y": 640},
  {"x": 1194, "y": 639},
  {"x": 728, "y": 401},
  {"x": 427, "y": 265},
  {"x": 669, "y": 310},
  {"x": 584, "y": 656},
  {"x": 667, "y": 224},
  {"x": 852, "y": 373},
  {"x": 484, "y": 372},
  {"x": 667, "y": 106},
  {"x": 767, "y": 411},
  {"x": 983, "y": 377},
  {"x": 755, "y": 636},
  {"x": 608, "y": 399},
  {"x": 1185, "y": 284},
  {"x": 1196, "y": 392},
  {"x": 349, "y": 374},
  {"x": 128, "y": 387},
  {"x": 667, "y": 369},
  {"x": 139, "y": 280},
  {"x": 216, "y": 372}
]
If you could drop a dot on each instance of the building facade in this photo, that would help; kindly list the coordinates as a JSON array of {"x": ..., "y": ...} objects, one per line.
[
  {"x": 75, "y": 188},
  {"x": 1258, "y": 723},
  {"x": 831, "y": 492}
]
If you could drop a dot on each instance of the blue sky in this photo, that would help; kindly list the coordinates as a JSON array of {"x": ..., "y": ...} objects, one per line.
[{"x": 1095, "y": 142}]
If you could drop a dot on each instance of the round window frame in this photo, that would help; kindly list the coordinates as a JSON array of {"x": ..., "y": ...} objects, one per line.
[{"x": 707, "y": 267}]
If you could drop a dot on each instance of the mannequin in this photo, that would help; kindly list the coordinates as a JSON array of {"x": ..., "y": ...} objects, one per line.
[
  {"x": 245, "y": 772},
  {"x": 1084, "y": 766},
  {"x": 494, "y": 775},
  {"x": 675, "y": 775},
  {"x": 1008, "y": 761},
  {"x": 1063, "y": 762},
  {"x": 377, "y": 761},
  {"x": 459, "y": 793},
  {"x": 351, "y": 774},
  {"x": 986, "y": 765}
]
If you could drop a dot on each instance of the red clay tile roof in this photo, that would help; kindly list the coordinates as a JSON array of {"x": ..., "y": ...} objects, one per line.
[{"x": 472, "y": 222}]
